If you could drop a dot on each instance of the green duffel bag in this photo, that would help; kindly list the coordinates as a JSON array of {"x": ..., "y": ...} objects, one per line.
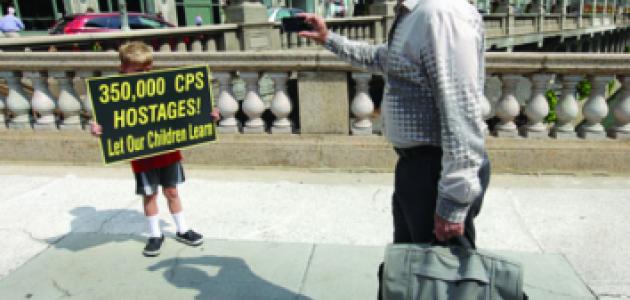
[{"x": 423, "y": 271}]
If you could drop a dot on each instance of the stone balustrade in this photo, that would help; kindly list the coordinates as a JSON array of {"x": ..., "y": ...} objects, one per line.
[
  {"x": 313, "y": 92},
  {"x": 503, "y": 31}
]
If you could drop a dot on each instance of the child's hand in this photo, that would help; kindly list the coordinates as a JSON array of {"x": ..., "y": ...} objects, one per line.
[
  {"x": 96, "y": 129},
  {"x": 215, "y": 114}
]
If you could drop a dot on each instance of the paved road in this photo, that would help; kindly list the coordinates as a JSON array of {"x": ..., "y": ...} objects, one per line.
[{"x": 77, "y": 231}]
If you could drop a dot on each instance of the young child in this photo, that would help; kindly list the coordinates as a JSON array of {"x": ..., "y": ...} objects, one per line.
[{"x": 163, "y": 169}]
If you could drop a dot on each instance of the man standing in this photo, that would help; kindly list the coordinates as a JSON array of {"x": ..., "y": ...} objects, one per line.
[
  {"x": 10, "y": 24},
  {"x": 433, "y": 65}
]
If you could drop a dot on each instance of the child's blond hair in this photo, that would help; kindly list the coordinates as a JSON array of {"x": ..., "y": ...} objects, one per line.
[{"x": 136, "y": 53}]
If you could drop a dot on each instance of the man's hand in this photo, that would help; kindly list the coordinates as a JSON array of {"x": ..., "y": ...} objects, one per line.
[
  {"x": 319, "y": 33},
  {"x": 215, "y": 114},
  {"x": 445, "y": 230},
  {"x": 96, "y": 129}
]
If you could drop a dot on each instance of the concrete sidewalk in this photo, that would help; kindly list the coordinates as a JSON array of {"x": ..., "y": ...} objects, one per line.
[{"x": 288, "y": 234}]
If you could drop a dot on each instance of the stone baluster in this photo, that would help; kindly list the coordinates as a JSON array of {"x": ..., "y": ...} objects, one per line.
[
  {"x": 621, "y": 111},
  {"x": 81, "y": 90},
  {"x": 181, "y": 45},
  {"x": 69, "y": 102},
  {"x": 196, "y": 45},
  {"x": 42, "y": 102},
  {"x": 567, "y": 109},
  {"x": 226, "y": 103},
  {"x": 537, "y": 108},
  {"x": 2, "y": 113},
  {"x": 165, "y": 46},
  {"x": 211, "y": 44},
  {"x": 595, "y": 109},
  {"x": 253, "y": 106},
  {"x": 485, "y": 106},
  {"x": 17, "y": 103},
  {"x": 281, "y": 104},
  {"x": 508, "y": 107},
  {"x": 362, "y": 106}
]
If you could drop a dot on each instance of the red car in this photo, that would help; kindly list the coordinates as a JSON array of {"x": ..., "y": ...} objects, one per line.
[{"x": 105, "y": 22}]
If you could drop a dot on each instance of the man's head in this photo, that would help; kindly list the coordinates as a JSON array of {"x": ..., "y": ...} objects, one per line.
[
  {"x": 10, "y": 11},
  {"x": 135, "y": 57}
]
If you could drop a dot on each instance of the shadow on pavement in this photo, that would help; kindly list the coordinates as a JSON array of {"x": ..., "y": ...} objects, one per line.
[
  {"x": 91, "y": 220},
  {"x": 229, "y": 278}
]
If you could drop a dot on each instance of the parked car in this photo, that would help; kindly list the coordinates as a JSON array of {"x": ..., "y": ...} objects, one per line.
[
  {"x": 105, "y": 22},
  {"x": 276, "y": 13}
]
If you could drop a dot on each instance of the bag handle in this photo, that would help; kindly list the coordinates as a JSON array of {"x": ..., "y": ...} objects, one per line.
[{"x": 457, "y": 241}]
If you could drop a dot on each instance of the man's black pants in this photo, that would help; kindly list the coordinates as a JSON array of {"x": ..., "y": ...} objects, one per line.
[{"x": 415, "y": 193}]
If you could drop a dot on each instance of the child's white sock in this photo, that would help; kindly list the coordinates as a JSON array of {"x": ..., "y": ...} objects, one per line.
[
  {"x": 180, "y": 223},
  {"x": 154, "y": 226}
]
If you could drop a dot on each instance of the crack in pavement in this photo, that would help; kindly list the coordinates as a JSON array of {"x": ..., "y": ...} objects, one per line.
[
  {"x": 308, "y": 266},
  {"x": 521, "y": 220},
  {"x": 26, "y": 232},
  {"x": 620, "y": 296},
  {"x": 64, "y": 291},
  {"x": 549, "y": 291}
]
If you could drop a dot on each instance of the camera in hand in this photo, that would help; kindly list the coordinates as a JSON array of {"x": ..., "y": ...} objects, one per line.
[{"x": 295, "y": 24}]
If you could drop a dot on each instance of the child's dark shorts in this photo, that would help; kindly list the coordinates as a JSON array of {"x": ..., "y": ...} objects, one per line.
[{"x": 169, "y": 176}]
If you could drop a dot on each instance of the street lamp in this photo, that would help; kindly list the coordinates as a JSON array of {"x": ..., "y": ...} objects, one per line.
[{"x": 124, "y": 18}]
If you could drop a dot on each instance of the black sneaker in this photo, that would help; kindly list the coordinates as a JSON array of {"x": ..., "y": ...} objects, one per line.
[
  {"x": 153, "y": 246},
  {"x": 190, "y": 238}
]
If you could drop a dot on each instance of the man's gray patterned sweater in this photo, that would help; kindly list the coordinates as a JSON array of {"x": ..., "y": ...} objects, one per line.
[{"x": 434, "y": 72}]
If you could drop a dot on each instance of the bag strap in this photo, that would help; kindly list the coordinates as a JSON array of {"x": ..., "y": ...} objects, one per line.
[{"x": 458, "y": 241}]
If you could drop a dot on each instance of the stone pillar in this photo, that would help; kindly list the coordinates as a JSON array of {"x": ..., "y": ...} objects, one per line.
[
  {"x": 605, "y": 14},
  {"x": 255, "y": 32},
  {"x": 541, "y": 16},
  {"x": 596, "y": 108},
  {"x": 503, "y": 6},
  {"x": 80, "y": 6},
  {"x": 42, "y": 102},
  {"x": 227, "y": 104},
  {"x": 566, "y": 109},
  {"x": 507, "y": 108},
  {"x": 81, "y": 90},
  {"x": 563, "y": 14},
  {"x": 281, "y": 104},
  {"x": 384, "y": 8},
  {"x": 594, "y": 20},
  {"x": 3, "y": 108},
  {"x": 581, "y": 14},
  {"x": 245, "y": 11},
  {"x": 362, "y": 106},
  {"x": 323, "y": 102},
  {"x": 621, "y": 111},
  {"x": 253, "y": 106},
  {"x": 511, "y": 23},
  {"x": 537, "y": 108},
  {"x": 69, "y": 103}
]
